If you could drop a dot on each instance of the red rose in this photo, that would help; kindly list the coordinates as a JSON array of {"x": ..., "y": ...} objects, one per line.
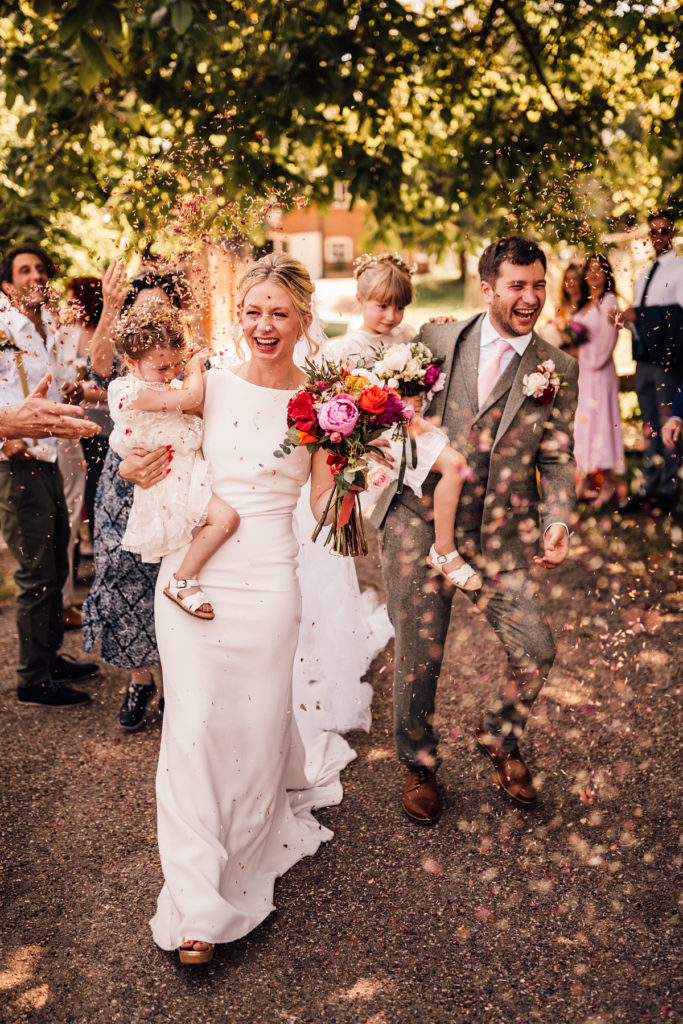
[
  {"x": 546, "y": 397},
  {"x": 372, "y": 399},
  {"x": 336, "y": 463},
  {"x": 300, "y": 412}
]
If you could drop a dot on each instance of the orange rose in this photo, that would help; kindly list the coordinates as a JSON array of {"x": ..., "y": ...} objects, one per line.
[{"x": 373, "y": 400}]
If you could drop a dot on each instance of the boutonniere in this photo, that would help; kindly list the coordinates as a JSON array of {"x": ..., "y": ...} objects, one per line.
[{"x": 543, "y": 384}]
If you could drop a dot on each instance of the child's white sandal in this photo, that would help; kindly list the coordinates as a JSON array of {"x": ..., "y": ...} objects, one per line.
[
  {"x": 193, "y": 602},
  {"x": 460, "y": 576}
]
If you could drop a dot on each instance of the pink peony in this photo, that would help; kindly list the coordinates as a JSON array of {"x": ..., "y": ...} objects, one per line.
[{"x": 340, "y": 414}]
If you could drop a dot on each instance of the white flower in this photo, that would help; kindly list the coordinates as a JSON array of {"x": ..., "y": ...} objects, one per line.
[
  {"x": 397, "y": 357},
  {"x": 370, "y": 376},
  {"x": 393, "y": 382},
  {"x": 440, "y": 384},
  {"x": 379, "y": 367},
  {"x": 535, "y": 383},
  {"x": 412, "y": 369}
]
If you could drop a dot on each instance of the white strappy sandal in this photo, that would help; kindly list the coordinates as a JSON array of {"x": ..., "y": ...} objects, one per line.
[
  {"x": 193, "y": 602},
  {"x": 464, "y": 577}
]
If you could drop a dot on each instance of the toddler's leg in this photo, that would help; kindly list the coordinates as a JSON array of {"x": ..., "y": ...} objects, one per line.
[
  {"x": 221, "y": 523},
  {"x": 451, "y": 467}
]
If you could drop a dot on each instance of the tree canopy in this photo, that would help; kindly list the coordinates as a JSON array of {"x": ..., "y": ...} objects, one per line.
[{"x": 194, "y": 116}]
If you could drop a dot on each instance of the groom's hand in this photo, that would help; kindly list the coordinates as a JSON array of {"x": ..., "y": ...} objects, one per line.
[{"x": 555, "y": 547}]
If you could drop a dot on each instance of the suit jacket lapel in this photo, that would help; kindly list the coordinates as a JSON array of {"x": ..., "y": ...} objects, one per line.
[
  {"x": 534, "y": 354},
  {"x": 437, "y": 408}
]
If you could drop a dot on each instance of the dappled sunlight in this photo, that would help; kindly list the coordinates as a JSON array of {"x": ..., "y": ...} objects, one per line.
[
  {"x": 364, "y": 988},
  {"x": 17, "y": 972}
]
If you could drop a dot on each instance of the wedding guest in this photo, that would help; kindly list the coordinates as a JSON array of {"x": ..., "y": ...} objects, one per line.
[
  {"x": 33, "y": 514},
  {"x": 235, "y": 787},
  {"x": 598, "y": 443},
  {"x": 84, "y": 301},
  {"x": 555, "y": 330},
  {"x": 119, "y": 610},
  {"x": 514, "y": 427},
  {"x": 656, "y": 321}
]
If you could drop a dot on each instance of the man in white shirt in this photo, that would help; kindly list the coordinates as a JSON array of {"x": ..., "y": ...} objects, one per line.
[
  {"x": 33, "y": 514},
  {"x": 656, "y": 320}
]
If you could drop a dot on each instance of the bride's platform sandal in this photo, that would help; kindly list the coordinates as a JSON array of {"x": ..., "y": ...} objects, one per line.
[
  {"x": 189, "y": 955},
  {"x": 464, "y": 577},
  {"x": 193, "y": 602}
]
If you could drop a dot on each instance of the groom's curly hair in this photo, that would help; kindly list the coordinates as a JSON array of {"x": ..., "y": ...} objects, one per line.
[{"x": 516, "y": 249}]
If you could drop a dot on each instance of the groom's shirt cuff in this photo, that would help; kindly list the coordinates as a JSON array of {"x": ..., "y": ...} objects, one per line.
[{"x": 558, "y": 523}]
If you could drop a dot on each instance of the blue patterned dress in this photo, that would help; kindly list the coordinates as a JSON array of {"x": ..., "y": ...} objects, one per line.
[{"x": 119, "y": 610}]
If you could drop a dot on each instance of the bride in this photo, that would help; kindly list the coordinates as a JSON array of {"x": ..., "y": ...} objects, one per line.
[{"x": 235, "y": 785}]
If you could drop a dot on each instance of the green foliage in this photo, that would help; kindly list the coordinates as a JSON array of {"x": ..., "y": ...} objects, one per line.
[{"x": 447, "y": 118}]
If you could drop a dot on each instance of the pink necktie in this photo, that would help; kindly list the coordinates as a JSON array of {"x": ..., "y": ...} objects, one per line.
[{"x": 491, "y": 372}]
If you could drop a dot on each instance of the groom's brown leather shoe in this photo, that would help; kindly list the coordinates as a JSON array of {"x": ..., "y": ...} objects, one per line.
[
  {"x": 512, "y": 774},
  {"x": 421, "y": 800}
]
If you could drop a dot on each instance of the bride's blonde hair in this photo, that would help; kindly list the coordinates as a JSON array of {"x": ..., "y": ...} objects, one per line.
[{"x": 291, "y": 275}]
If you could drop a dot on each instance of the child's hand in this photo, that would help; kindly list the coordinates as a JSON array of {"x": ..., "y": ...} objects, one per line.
[
  {"x": 442, "y": 319},
  {"x": 199, "y": 357}
]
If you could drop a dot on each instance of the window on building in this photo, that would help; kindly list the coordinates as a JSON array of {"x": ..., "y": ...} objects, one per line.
[{"x": 339, "y": 251}]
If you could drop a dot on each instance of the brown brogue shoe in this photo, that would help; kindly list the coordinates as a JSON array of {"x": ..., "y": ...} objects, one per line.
[
  {"x": 72, "y": 617},
  {"x": 421, "y": 800},
  {"x": 512, "y": 774}
]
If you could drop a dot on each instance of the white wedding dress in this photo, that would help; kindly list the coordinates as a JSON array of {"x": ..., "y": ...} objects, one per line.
[{"x": 235, "y": 784}]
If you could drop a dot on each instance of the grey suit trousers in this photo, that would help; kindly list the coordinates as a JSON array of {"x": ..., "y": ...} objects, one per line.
[{"x": 420, "y": 607}]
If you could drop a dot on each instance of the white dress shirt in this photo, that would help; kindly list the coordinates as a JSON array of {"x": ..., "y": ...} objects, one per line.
[
  {"x": 666, "y": 286},
  {"x": 489, "y": 335},
  {"x": 38, "y": 357}
]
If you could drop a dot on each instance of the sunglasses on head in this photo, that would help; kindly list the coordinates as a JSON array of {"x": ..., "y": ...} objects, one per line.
[{"x": 660, "y": 231}]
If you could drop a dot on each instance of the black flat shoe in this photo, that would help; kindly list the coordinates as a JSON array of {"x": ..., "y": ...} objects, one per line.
[
  {"x": 132, "y": 713},
  {"x": 65, "y": 669},
  {"x": 51, "y": 694}
]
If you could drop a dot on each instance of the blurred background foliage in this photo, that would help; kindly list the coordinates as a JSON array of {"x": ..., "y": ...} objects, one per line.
[{"x": 451, "y": 120}]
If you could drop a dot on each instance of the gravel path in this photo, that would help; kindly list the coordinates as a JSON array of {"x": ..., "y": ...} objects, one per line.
[{"x": 566, "y": 913}]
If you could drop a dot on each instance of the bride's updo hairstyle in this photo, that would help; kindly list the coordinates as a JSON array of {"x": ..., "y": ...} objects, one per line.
[
  {"x": 291, "y": 275},
  {"x": 152, "y": 324},
  {"x": 386, "y": 279}
]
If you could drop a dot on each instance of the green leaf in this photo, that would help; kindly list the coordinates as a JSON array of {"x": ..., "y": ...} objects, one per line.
[
  {"x": 73, "y": 22},
  {"x": 108, "y": 21},
  {"x": 94, "y": 54},
  {"x": 24, "y": 126},
  {"x": 182, "y": 14}
]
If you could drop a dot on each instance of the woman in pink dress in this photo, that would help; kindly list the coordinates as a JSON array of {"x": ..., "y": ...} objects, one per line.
[{"x": 598, "y": 444}]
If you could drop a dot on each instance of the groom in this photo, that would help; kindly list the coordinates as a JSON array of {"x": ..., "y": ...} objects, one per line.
[{"x": 519, "y": 502}]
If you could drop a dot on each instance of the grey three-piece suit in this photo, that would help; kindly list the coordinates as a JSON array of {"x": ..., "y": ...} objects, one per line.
[{"x": 520, "y": 452}]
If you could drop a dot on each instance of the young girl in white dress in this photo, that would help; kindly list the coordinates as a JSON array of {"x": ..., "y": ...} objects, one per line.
[
  {"x": 151, "y": 407},
  {"x": 384, "y": 288}
]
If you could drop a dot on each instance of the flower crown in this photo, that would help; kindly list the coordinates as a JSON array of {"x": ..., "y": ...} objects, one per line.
[{"x": 369, "y": 260}]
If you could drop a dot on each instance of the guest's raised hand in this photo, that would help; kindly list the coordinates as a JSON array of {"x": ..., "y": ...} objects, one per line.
[
  {"x": 114, "y": 289},
  {"x": 73, "y": 392},
  {"x": 555, "y": 547},
  {"x": 671, "y": 432},
  {"x": 147, "y": 468}
]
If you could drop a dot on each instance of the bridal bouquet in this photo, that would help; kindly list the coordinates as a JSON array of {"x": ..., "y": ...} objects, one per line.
[
  {"x": 410, "y": 368},
  {"x": 343, "y": 414}
]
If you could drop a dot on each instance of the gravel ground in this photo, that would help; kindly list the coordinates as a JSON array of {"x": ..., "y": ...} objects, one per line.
[{"x": 567, "y": 912}]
